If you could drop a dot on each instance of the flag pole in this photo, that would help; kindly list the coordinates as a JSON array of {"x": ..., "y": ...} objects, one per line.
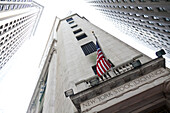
[
  {"x": 98, "y": 43},
  {"x": 103, "y": 54}
]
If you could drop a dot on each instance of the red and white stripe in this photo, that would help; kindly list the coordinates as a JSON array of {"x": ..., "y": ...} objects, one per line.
[{"x": 102, "y": 65}]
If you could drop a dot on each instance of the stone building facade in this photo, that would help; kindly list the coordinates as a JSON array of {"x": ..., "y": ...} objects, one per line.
[
  {"x": 144, "y": 20},
  {"x": 68, "y": 82},
  {"x": 18, "y": 21}
]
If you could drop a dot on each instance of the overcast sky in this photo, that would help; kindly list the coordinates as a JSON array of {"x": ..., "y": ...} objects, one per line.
[{"x": 19, "y": 76}]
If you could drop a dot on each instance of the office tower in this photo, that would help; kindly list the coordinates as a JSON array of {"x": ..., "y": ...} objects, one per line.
[
  {"x": 68, "y": 82},
  {"x": 145, "y": 20},
  {"x": 18, "y": 21}
]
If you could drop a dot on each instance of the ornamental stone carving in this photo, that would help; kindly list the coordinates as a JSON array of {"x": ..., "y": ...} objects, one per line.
[{"x": 166, "y": 88}]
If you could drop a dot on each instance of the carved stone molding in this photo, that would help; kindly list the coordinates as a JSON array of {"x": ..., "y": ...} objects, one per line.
[{"x": 166, "y": 88}]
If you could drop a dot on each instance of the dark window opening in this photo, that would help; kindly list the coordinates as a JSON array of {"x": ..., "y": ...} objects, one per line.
[
  {"x": 69, "y": 19},
  {"x": 94, "y": 69},
  {"x": 6, "y": 24},
  {"x": 162, "y": 9},
  {"x": 149, "y": 8},
  {"x": 88, "y": 48},
  {"x": 166, "y": 31},
  {"x": 81, "y": 36},
  {"x": 77, "y": 31},
  {"x": 5, "y": 30},
  {"x": 71, "y": 22},
  {"x": 154, "y": 0},
  {"x": 74, "y": 26},
  {"x": 167, "y": 19},
  {"x": 112, "y": 65},
  {"x": 1, "y": 26},
  {"x": 132, "y": 0},
  {"x": 142, "y": 1}
]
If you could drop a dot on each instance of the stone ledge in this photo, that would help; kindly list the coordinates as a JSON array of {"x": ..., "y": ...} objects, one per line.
[{"x": 116, "y": 82}]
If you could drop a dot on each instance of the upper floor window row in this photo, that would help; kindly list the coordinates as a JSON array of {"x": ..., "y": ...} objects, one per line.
[
  {"x": 71, "y": 22},
  {"x": 77, "y": 31},
  {"x": 125, "y": 1},
  {"x": 74, "y": 26},
  {"x": 12, "y": 6},
  {"x": 69, "y": 19},
  {"x": 81, "y": 36}
]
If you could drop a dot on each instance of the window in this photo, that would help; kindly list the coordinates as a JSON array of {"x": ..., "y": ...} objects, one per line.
[
  {"x": 10, "y": 23},
  {"x": 140, "y": 8},
  {"x": 155, "y": 28},
  {"x": 155, "y": 18},
  {"x": 166, "y": 31},
  {"x": 120, "y": 7},
  {"x": 125, "y": 7},
  {"x": 131, "y": 7},
  {"x": 118, "y": 1},
  {"x": 152, "y": 32},
  {"x": 108, "y": 1},
  {"x": 79, "y": 37},
  {"x": 124, "y": 0},
  {"x": 164, "y": 39},
  {"x": 69, "y": 19},
  {"x": 135, "y": 19},
  {"x": 159, "y": 24},
  {"x": 2, "y": 38},
  {"x": 161, "y": 35},
  {"x": 1, "y": 26},
  {"x": 5, "y": 30},
  {"x": 167, "y": 19},
  {"x": 74, "y": 26},
  {"x": 154, "y": 0},
  {"x": 147, "y": 26},
  {"x": 130, "y": 14},
  {"x": 132, "y": 0},
  {"x": 16, "y": 6},
  {"x": 145, "y": 16},
  {"x": 77, "y": 31},
  {"x": 6, "y": 7},
  {"x": 142, "y": 21},
  {"x": 142, "y": 1},
  {"x": 71, "y": 22},
  {"x": 88, "y": 48},
  {"x": 1, "y": 7},
  {"x": 162, "y": 9},
  {"x": 94, "y": 69},
  {"x": 150, "y": 22},
  {"x": 137, "y": 15},
  {"x": 149, "y": 8},
  {"x": 6, "y": 24}
]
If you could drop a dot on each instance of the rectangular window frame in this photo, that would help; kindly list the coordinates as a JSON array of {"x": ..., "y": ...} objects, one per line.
[
  {"x": 89, "y": 48},
  {"x": 81, "y": 36}
]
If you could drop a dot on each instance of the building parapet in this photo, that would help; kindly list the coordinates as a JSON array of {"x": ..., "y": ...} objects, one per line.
[{"x": 105, "y": 86}]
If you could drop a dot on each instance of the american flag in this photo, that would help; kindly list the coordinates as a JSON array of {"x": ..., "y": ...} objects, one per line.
[{"x": 102, "y": 65}]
